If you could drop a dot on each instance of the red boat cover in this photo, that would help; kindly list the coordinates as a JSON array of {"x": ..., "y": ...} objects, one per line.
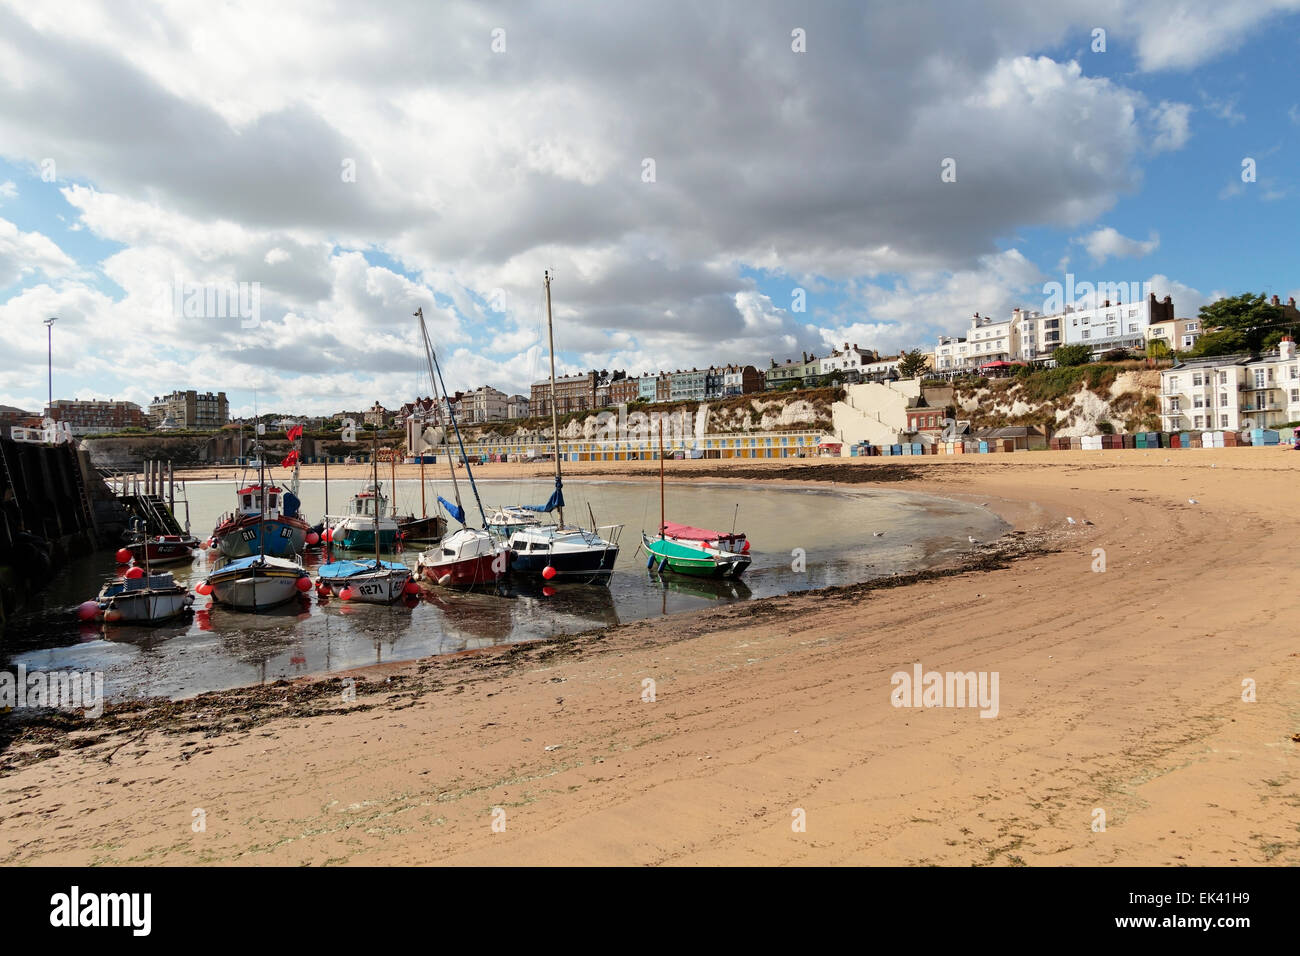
[{"x": 695, "y": 534}]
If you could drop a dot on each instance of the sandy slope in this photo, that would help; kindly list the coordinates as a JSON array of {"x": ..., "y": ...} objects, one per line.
[{"x": 1118, "y": 690}]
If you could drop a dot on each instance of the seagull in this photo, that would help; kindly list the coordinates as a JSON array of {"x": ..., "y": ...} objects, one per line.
[
  {"x": 1070, "y": 520},
  {"x": 971, "y": 540},
  {"x": 878, "y": 534},
  {"x": 1192, "y": 501}
]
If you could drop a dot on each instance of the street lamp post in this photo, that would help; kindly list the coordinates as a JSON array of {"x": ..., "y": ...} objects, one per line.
[{"x": 49, "y": 330}]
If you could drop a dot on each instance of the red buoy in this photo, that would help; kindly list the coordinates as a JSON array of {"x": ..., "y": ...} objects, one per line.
[
  {"x": 88, "y": 610},
  {"x": 133, "y": 573},
  {"x": 123, "y": 556},
  {"x": 204, "y": 588},
  {"x": 346, "y": 594},
  {"x": 549, "y": 572},
  {"x": 304, "y": 584},
  {"x": 313, "y": 538}
]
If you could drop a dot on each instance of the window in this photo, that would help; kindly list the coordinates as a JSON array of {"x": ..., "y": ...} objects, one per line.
[
  {"x": 1200, "y": 421},
  {"x": 1295, "y": 371},
  {"x": 1259, "y": 378},
  {"x": 1198, "y": 402},
  {"x": 1191, "y": 326},
  {"x": 1196, "y": 379},
  {"x": 1223, "y": 421},
  {"x": 1295, "y": 395},
  {"x": 1086, "y": 333},
  {"x": 1223, "y": 378},
  {"x": 1175, "y": 404},
  {"x": 1132, "y": 327},
  {"x": 1223, "y": 399},
  {"x": 1173, "y": 383}
]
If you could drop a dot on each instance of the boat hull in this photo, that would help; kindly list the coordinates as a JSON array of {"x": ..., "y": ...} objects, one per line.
[
  {"x": 162, "y": 551},
  {"x": 279, "y": 537},
  {"x": 255, "y": 590},
  {"x": 693, "y": 560},
  {"x": 363, "y": 539},
  {"x": 465, "y": 573},
  {"x": 569, "y": 566},
  {"x": 147, "y": 607},
  {"x": 382, "y": 587}
]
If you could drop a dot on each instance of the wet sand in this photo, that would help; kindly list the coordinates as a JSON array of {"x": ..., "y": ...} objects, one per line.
[{"x": 1120, "y": 691}]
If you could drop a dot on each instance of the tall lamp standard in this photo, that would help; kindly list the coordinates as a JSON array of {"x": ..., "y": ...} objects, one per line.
[{"x": 49, "y": 329}]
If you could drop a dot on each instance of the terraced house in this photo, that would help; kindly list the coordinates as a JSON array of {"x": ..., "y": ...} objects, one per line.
[{"x": 1232, "y": 392}]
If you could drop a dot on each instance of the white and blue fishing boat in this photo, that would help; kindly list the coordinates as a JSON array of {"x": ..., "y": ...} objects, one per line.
[
  {"x": 371, "y": 580},
  {"x": 558, "y": 551},
  {"x": 256, "y": 583},
  {"x": 374, "y": 581}
]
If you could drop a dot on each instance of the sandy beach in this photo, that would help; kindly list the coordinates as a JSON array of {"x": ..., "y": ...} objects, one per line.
[{"x": 1120, "y": 691}]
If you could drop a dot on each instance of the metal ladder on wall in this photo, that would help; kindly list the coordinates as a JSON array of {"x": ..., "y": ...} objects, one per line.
[{"x": 87, "y": 509}]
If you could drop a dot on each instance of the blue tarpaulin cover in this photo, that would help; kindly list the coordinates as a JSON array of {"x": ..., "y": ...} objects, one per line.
[{"x": 346, "y": 569}]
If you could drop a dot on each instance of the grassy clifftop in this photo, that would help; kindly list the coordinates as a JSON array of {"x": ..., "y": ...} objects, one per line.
[{"x": 1081, "y": 400}]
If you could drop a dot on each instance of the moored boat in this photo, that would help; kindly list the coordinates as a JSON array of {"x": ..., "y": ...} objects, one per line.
[
  {"x": 366, "y": 523},
  {"x": 469, "y": 556},
  {"x": 464, "y": 559},
  {"x": 559, "y": 551},
  {"x": 693, "y": 558},
  {"x": 161, "y": 549},
  {"x": 266, "y": 521},
  {"x": 256, "y": 583},
  {"x": 695, "y": 552},
  {"x": 372, "y": 581},
  {"x": 145, "y": 599}
]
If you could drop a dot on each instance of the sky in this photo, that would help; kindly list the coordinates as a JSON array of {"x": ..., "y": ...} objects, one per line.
[{"x": 255, "y": 198}]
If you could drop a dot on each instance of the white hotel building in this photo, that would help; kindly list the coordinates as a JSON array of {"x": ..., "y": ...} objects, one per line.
[
  {"x": 1032, "y": 336},
  {"x": 1232, "y": 392}
]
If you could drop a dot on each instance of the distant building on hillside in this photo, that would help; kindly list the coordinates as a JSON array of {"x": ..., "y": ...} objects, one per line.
[
  {"x": 484, "y": 404},
  {"x": 191, "y": 409},
  {"x": 517, "y": 406},
  {"x": 97, "y": 417}
]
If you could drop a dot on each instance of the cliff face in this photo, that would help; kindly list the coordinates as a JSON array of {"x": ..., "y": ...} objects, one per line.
[
  {"x": 805, "y": 410},
  {"x": 1087, "y": 400}
]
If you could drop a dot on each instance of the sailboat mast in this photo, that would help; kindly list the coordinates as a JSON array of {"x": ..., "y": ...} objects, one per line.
[
  {"x": 374, "y": 464},
  {"x": 661, "y": 477},
  {"x": 555, "y": 417},
  {"x": 436, "y": 369},
  {"x": 437, "y": 404}
]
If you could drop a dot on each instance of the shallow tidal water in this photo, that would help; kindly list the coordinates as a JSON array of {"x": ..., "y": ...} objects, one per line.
[{"x": 217, "y": 648}]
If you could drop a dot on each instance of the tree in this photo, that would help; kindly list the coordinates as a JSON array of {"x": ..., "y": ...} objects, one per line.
[
  {"x": 1222, "y": 342},
  {"x": 1158, "y": 349},
  {"x": 911, "y": 364},
  {"x": 1072, "y": 355},
  {"x": 1247, "y": 318}
]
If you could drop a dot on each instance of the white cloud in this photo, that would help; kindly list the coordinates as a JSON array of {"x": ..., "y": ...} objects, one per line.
[
  {"x": 1171, "y": 122},
  {"x": 27, "y": 254},
  {"x": 1107, "y": 243}
]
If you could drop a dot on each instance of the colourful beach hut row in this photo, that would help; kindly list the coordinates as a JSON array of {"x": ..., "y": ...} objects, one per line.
[
  {"x": 790, "y": 445},
  {"x": 1219, "y": 439}
]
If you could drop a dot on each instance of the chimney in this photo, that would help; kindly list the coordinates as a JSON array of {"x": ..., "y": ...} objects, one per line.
[
  {"x": 1105, "y": 303},
  {"x": 1168, "y": 301},
  {"x": 1275, "y": 301},
  {"x": 1286, "y": 349},
  {"x": 1291, "y": 302}
]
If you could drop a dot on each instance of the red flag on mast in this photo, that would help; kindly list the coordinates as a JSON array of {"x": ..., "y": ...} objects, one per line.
[
  {"x": 294, "y": 433},
  {"x": 290, "y": 461}
]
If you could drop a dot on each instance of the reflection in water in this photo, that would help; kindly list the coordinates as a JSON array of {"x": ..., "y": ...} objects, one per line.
[{"x": 221, "y": 647}]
